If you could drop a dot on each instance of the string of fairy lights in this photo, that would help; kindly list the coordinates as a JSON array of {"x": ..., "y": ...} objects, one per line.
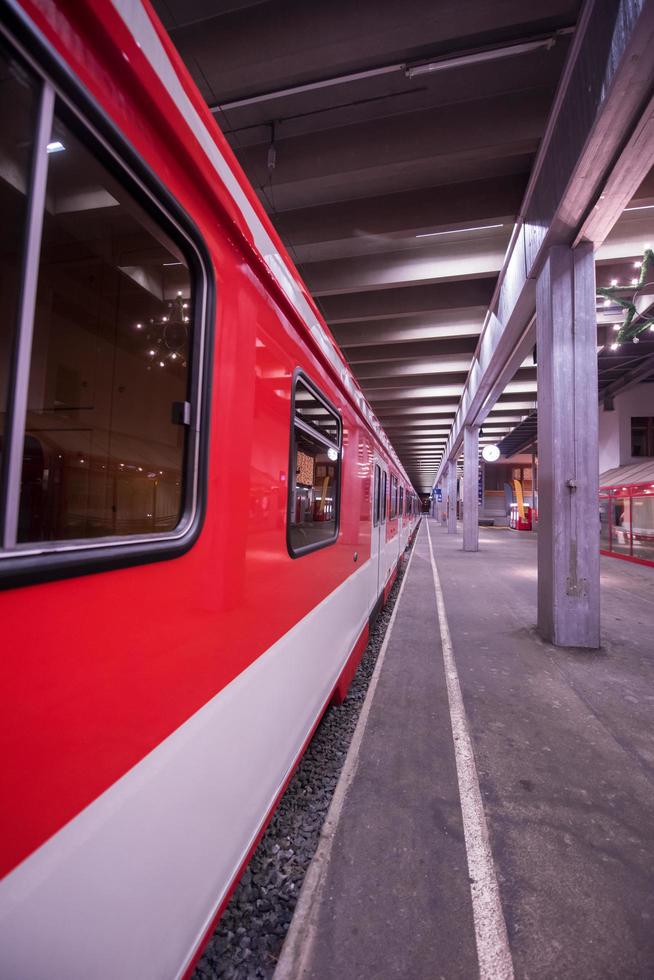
[{"x": 635, "y": 299}]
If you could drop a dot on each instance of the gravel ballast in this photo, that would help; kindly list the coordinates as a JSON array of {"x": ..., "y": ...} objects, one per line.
[{"x": 249, "y": 938}]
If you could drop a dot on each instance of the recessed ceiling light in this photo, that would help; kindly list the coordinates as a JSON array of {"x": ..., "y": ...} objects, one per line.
[{"x": 55, "y": 147}]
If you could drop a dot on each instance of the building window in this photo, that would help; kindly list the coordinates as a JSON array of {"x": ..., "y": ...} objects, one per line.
[
  {"x": 376, "y": 496},
  {"x": 316, "y": 461},
  {"x": 642, "y": 436}
]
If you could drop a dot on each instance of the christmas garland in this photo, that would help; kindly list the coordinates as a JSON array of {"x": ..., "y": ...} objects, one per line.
[{"x": 625, "y": 296}]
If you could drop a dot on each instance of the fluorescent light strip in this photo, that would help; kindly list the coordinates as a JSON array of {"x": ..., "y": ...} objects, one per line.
[
  {"x": 641, "y": 207},
  {"x": 456, "y": 231},
  {"x": 490, "y": 54}
]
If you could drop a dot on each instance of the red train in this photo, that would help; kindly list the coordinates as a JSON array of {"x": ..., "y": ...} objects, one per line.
[{"x": 199, "y": 512}]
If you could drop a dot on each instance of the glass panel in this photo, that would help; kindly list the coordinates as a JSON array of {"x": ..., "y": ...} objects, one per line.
[
  {"x": 620, "y": 531},
  {"x": 18, "y": 100},
  {"x": 604, "y": 508},
  {"x": 313, "y": 504},
  {"x": 375, "y": 511},
  {"x": 103, "y": 452},
  {"x": 643, "y": 527},
  {"x": 312, "y": 411},
  {"x": 384, "y": 495}
]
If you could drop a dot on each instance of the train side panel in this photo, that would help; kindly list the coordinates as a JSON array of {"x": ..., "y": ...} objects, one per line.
[{"x": 152, "y": 714}]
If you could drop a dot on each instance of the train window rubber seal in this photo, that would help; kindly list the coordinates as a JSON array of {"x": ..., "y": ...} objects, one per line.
[
  {"x": 32, "y": 563},
  {"x": 300, "y": 375}
]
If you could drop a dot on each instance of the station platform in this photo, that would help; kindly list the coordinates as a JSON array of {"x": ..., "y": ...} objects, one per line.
[{"x": 530, "y": 855}]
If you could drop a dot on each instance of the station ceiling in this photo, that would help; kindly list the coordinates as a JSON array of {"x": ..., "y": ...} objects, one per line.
[{"x": 391, "y": 144}]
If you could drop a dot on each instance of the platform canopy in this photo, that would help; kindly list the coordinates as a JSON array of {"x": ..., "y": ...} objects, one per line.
[{"x": 395, "y": 146}]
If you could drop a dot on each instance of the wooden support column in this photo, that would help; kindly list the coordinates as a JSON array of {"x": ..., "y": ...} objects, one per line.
[
  {"x": 568, "y": 526},
  {"x": 451, "y": 494},
  {"x": 471, "y": 488}
]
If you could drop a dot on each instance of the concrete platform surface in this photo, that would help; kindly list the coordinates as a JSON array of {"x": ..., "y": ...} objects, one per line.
[{"x": 564, "y": 750}]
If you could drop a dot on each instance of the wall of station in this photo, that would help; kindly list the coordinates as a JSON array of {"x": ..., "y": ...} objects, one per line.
[{"x": 615, "y": 442}]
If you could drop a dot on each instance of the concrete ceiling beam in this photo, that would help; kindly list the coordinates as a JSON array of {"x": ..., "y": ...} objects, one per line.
[
  {"x": 409, "y": 330},
  {"x": 419, "y": 149},
  {"x": 410, "y": 300},
  {"x": 475, "y": 255},
  {"x": 448, "y": 347},
  {"x": 404, "y": 212}
]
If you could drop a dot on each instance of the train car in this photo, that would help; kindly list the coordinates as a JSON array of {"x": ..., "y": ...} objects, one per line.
[{"x": 199, "y": 512}]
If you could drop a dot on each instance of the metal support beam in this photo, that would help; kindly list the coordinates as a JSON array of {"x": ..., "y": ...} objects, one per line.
[
  {"x": 471, "y": 488},
  {"x": 568, "y": 526},
  {"x": 451, "y": 496}
]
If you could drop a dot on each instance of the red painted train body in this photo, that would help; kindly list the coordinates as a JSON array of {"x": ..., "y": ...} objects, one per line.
[{"x": 176, "y": 616}]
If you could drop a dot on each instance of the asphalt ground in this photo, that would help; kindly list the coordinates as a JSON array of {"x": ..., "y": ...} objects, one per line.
[{"x": 564, "y": 750}]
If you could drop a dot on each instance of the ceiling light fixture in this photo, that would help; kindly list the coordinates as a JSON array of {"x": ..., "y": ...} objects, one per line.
[
  {"x": 55, "y": 147},
  {"x": 410, "y": 71},
  {"x": 456, "y": 231},
  {"x": 477, "y": 57}
]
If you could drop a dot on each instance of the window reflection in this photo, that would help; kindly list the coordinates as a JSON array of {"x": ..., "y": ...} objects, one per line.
[
  {"x": 643, "y": 527},
  {"x": 18, "y": 114},
  {"x": 313, "y": 506},
  {"x": 104, "y": 448},
  {"x": 376, "y": 501}
]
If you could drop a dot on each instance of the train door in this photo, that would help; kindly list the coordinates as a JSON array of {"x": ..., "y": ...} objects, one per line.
[{"x": 376, "y": 543}]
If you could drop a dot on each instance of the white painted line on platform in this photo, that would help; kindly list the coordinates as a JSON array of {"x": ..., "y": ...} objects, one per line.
[
  {"x": 493, "y": 951},
  {"x": 301, "y": 935}
]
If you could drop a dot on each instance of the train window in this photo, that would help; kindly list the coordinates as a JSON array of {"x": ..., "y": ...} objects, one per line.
[
  {"x": 104, "y": 299},
  {"x": 104, "y": 450},
  {"x": 316, "y": 459},
  {"x": 401, "y": 504},
  {"x": 393, "y": 501},
  {"x": 376, "y": 495},
  {"x": 384, "y": 495},
  {"x": 18, "y": 103}
]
